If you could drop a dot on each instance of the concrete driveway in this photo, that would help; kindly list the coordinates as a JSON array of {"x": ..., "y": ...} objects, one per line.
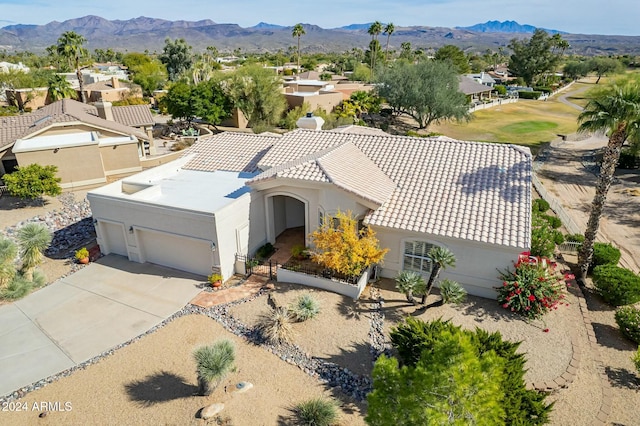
[{"x": 85, "y": 314}]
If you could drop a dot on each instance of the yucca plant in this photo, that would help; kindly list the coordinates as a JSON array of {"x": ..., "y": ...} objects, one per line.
[
  {"x": 452, "y": 292},
  {"x": 441, "y": 258},
  {"x": 17, "y": 288},
  {"x": 410, "y": 284},
  {"x": 213, "y": 363},
  {"x": 33, "y": 240},
  {"x": 275, "y": 326},
  {"x": 8, "y": 252},
  {"x": 305, "y": 307},
  {"x": 316, "y": 412}
]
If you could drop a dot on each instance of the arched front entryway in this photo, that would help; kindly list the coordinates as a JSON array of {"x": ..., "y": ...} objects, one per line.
[{"x": 287, "y": 218}]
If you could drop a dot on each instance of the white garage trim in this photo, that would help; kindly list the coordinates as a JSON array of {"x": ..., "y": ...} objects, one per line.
[
  {"x": 176, "y": 251},
  {"x": 112, "y": 237}
]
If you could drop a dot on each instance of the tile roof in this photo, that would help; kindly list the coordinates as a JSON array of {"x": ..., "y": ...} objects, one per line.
[
  {"x": 469, "y": 86},
  {"x": 444, "y": 187},
  {"x": 133, "y": 115},
  {"x": 63, "y": 111}
]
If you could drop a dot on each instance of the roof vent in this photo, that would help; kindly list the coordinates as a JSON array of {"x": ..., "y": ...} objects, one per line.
[{"x": 310, "y": 122}]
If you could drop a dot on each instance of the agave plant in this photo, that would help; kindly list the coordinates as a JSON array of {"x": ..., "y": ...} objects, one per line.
[
  {"x": 33, "y": 240},
  {"x": 213, "y": 363},
  {"x": 410, "y": 284},
  {"x": 452, "y": 292}
]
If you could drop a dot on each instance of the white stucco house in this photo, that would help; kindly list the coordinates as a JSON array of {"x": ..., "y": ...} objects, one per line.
[{"x": 233, "y": 192}]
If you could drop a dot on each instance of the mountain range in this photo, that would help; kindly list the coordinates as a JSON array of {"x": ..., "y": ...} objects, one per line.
[{"x": 143, "y": 33}]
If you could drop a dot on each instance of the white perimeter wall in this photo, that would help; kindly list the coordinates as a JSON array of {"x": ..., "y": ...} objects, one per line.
[{"x": 476, "y": 267}]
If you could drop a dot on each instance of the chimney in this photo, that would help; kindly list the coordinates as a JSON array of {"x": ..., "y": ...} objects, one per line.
[
  {"x": 115, "y": 83},
  {"x": 310, "y": 122},
  {"x": 104, "y": 110}
]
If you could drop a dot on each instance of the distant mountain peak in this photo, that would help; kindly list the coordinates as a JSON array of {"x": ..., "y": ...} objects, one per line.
[
  {"x": 267, "y": 26},
  {"x": 356, "y": 27},
  {"x": 505, "y": 27}
]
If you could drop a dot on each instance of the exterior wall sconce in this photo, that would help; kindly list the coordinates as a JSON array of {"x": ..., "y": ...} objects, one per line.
[
  {"x": 131, "y": 229},
  {"x": 213, "y": 246}
]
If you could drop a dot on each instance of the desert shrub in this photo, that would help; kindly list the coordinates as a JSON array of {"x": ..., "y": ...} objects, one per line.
[
  {"x": 554, "y": 221},
  {"x": 411, "y": 284},
  {"x": 305, "y": 307},
  {"x": 628, "y": 319},
  {"x": 558, "y": 238},
  {"x": 298, "y": 251},
  {"x": 265, "y": 251},
  {"x": 617, "y": 286},
  {"x": 604, "y": 254},
  {"x": 39, "y": 279},
  {"x": 452, "y": 292},
  {"x": 213, "y": 363},
  {"x": 275, "y": 326},
  {"x": 521, "y": 405},
  {"x": 17, "y": 288},
  {"x": 636, "y": 360},
  {"x": 316, "y": 412},
  {"x": 540, "y": 205},
  {"x": 629, "y": 159},
  {"x": 523, "y": 94},
  {"x": 542, "y": 237},
  {"x": 543, "y": 89},
  {"x": 532, "y": 289}
]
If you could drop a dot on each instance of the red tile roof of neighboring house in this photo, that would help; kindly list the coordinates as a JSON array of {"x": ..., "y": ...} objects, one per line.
[{"x": 63, "y": 111}]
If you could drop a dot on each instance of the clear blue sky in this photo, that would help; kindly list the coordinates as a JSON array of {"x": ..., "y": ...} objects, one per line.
[{"x": 574, "y": 16}]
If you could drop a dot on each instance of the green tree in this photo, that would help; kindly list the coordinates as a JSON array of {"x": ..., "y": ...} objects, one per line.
[
  {"x": 176, "y": 56},
  {"x": 206, "y": 100},
  {"x": 534, "y": 57},
  {"x": 388, "y": 30},
  {"x": 33, "y": 181},
  {"x": 33, "y": 240},
  {"x": 374, "y": 31},
  {"x": 450, "y": 384},
  {"x": 71, "y": 46},
  {"x": 150, "y": 75},
  {"x": 427, "y": 91},
  {"x": 455, "y": 55},
  {"x": 616, "y": 111},
  {"x": 60, "y": 88},
  {"x": 576, "y": 69},
  {"x": 405, "y": 51},
  {"x": 605, "y": 66},
  {"x": 134, "y": 59},
  {"x": 441, "y": 258},
  {"x": 297, "y": 32},
  {"x": 256, "y": 91}
]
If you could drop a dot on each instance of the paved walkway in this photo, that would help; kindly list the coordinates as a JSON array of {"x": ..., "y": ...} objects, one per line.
[
  {"x": 85, "y": 314},
  {"x": 248, "y": 288}
]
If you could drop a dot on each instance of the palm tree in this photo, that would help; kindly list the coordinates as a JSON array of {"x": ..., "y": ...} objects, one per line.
[
  {"x": 33, "y": 240},
  {"x": 8, "y": 252},
  {"x": 60, "y": 88},
  {"x": 212, "y": 364},
  {"x": 441, "y": 258},
  {"x": 374, "y": 30},
  {"x": 298, "y": 31},
  {"x": 618, "y": 112},
  {"x": 388, "y": 30},
  {"x": 70, "y": 46}
]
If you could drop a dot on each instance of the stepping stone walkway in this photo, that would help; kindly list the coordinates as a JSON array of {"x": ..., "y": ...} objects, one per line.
[{"x": 250, "y": 287}]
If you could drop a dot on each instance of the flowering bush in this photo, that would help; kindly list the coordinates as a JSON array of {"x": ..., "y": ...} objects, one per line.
[
  {"x": 628, "y": 319},
  {"x": 533, "y": 289}
]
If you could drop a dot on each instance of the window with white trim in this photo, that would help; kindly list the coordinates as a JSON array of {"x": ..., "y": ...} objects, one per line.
[{"x": 415, "y": 257}]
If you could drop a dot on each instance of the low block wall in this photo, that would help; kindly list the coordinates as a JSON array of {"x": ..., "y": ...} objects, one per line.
[{"x": 351, "y": 290}]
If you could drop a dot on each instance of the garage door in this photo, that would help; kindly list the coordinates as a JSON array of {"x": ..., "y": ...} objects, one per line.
[
  {"x": 113, "y": 236},
  {"x": 174, "y": 251}
]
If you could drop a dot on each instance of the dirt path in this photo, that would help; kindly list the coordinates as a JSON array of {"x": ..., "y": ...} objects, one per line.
[{"x": 563, "y": 98}]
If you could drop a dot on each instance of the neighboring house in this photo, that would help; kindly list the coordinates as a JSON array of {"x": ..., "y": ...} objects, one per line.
[
  {"x": 5, "y": 67},
  {"x": 483, "y": 78},
  {"x": 111, "y": 90},
  {"x": 89, "y": 144},
  {"x": 473, "y": 90},
  {"x": 233, "y": 192},
  {"x": 318, "y": 93}
]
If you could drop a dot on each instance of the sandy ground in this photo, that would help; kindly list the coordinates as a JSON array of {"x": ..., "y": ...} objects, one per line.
[
  {"x": 346, "y": 344},
  {"x": 153, "y": 382}
]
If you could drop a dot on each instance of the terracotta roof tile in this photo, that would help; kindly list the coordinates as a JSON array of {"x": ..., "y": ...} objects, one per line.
[
  {"x": 133, "y": 115},
  {"x": 441, "y": 186}
]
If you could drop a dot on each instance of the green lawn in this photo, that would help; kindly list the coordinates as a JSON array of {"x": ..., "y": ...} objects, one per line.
[{"x": 525, "y": 122}]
